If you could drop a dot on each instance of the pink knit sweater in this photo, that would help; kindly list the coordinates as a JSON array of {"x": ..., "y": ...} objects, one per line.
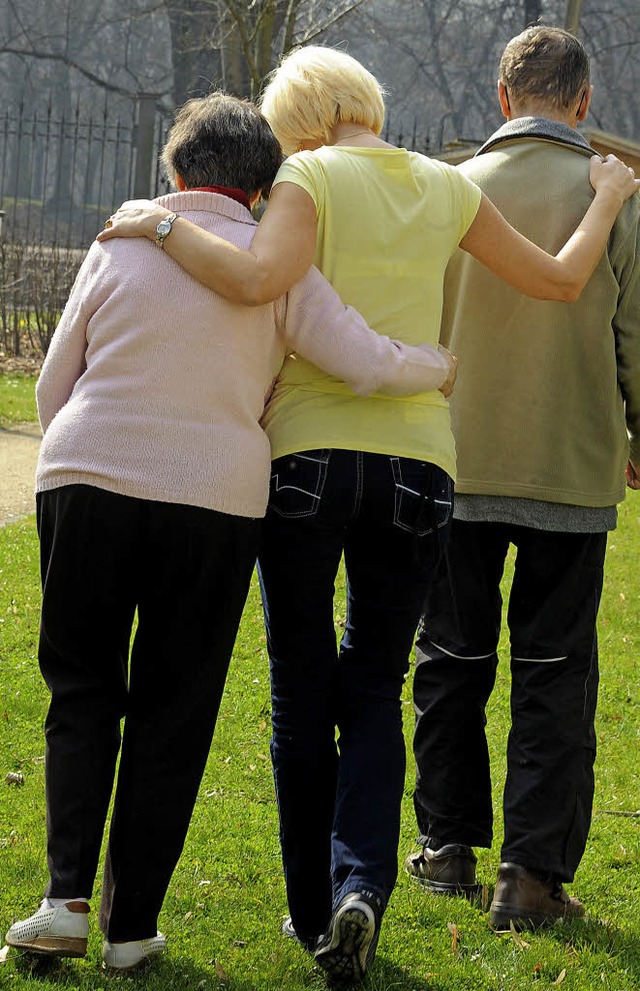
[{"x": 154, "y": 386}]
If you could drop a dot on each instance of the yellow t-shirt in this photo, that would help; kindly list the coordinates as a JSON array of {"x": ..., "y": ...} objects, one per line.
[{"x": 388, "y": 222}]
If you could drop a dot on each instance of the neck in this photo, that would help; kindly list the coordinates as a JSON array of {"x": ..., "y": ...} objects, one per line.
[
  {"x": 356, "y": 135},
  {"x": 550, "y": 113}
]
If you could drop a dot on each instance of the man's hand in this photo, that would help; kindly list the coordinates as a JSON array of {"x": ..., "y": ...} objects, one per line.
[
  {"x": 632, "y": 474},
  {"x": 447, "y": 386}
]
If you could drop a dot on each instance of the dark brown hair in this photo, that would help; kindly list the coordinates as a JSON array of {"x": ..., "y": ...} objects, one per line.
[{"x": 220, "y": 140}]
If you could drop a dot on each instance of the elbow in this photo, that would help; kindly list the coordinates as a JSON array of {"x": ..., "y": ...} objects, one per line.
[
  {"x": 256, "y": 291},
  {"x": 251, "y": 295},
  {"x": 559, "y": 292},
  {"x": 569, "y": 291},
  {"x": 572, "y": 293}
]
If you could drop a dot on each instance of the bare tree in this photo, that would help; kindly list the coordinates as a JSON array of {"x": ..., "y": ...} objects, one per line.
[
  {"x": 438, "y": 58},
  {"x": 198, "y": 43}
]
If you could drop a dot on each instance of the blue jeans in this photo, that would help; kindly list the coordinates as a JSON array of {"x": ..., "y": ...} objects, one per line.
[{"x": 339, "y": 799}]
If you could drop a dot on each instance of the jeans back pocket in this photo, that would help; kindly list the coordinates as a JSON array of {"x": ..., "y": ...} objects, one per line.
[
  {"x": 423, "y": 496},
  {"x": 297, "y": 482}
]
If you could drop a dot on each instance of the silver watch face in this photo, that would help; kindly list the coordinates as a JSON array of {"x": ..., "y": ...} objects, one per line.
[{"x": 163, "y": 227}]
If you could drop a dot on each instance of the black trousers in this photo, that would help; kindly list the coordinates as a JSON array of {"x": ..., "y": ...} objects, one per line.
[
  {"x": 187, "y": 571},
  {"x": 552, "y": 612}
]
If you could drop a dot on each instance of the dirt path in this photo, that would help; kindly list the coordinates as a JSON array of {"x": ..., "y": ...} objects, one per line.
[{"x": 19, "y": 448}]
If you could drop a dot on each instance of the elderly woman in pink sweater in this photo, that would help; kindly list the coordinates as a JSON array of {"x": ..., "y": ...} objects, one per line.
[{"x": 152, "y": 479}]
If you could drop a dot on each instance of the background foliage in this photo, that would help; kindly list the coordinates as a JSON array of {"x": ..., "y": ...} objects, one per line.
[{"x": 438, "y": 58}]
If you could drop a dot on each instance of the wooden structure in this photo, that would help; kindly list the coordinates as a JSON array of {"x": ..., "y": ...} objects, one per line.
[{"x": 601, "y": 141}]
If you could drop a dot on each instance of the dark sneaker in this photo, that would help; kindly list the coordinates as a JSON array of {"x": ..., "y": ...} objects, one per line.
[
  {"x": 308, "y": 943},
  {"x": 451, "y": 870},
  {"x": 527, "y": 902},
  {"x": 349, "y": 945}
]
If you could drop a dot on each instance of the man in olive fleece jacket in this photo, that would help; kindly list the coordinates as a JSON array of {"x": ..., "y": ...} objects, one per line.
[{"x": 546, "y": 416}]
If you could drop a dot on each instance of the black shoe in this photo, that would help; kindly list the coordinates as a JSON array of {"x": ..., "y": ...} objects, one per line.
[
  {"x": 309, "y": 943},
  {"x": 527, "y": 901},
  {"x": 451, "y": 870},
  {"x": 349, "y": 945}
]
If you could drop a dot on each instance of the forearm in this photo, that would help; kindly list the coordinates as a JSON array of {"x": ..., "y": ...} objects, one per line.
[
  {"x": 219, "y": 265},
  {"x": 576, "y": 261},
  {"x": 337, "y": 339},
  {"x": 529, "y": 268},
  {"x": 533, "y": 271},
  {"x": 60, "y": 372},
  {"x": 281, "y": 252}
]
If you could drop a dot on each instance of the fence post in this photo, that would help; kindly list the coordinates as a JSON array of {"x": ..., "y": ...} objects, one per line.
[{"x": 143, "y": 175}]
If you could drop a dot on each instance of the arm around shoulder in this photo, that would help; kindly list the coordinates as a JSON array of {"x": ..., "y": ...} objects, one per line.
[
  {"x": 337, "y": 339},
  {"x": 532, "y": 270}
]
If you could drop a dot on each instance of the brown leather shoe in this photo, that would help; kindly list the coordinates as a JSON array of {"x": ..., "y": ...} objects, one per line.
[
  {"x": 523, "y": 899},
  {"x": 451, "y": 870}
]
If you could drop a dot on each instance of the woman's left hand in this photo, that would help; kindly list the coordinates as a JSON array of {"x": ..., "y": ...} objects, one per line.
[{"x": 135, "y": 218}]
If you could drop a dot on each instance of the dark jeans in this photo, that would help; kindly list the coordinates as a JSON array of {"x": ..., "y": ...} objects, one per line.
[
  {"x": 187, "y": 571},
  {"x": 339, "y": 800},
  {"x": 551, "y": 748}
]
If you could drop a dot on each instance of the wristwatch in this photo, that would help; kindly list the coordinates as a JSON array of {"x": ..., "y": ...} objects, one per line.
[{"x": 164, "y": 229}]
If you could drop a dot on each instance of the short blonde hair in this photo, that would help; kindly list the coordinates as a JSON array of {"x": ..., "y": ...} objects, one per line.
[{"x": 314, "y": 88}]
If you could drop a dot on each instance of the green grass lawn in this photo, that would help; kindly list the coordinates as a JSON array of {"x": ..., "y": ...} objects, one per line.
[
  {"x": 226, "y": 902},
  {"x": 17, "y": 400}
]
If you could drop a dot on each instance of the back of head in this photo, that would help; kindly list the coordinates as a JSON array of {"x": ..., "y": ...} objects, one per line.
[
  {"x": 546, "y": 65},
  {"x": 315, "y": 88},
  {"x": 220, "y": 140}
]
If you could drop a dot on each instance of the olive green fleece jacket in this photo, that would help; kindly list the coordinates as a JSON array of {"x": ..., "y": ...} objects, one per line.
[{"x": 545, "y": 390}]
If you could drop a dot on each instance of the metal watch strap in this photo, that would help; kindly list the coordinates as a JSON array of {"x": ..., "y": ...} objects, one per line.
[{"x": 164, "y": 229}]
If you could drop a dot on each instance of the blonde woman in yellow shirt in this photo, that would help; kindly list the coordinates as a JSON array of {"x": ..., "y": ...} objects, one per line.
[{"x": 370, "y": 478}]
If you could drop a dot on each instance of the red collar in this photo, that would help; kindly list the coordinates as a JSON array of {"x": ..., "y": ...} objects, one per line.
[{"x": 230, "y": 191}]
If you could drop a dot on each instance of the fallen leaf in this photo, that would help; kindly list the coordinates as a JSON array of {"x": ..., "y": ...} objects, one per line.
[
  {"x": 188, "y": 916},
  {"x": 484, "y": 897},
  {"x": 561, "y": 976},
  {"x": 14, "y": 778},
  {"x": 3, "y": 954},
  {"x": 517, "y": 939},
  {"x": 220, "y": 971},
  {"x": 455, "y": 934}
]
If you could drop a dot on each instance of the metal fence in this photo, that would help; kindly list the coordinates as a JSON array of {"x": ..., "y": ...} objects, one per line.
[{"x": 62, "y": 175}]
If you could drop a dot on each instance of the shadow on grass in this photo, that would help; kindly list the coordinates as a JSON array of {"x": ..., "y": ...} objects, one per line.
[
  {"x": 82, "y": 975},
  {"x": 385, "y": 975},
  {"x": 600, "y": 936}
]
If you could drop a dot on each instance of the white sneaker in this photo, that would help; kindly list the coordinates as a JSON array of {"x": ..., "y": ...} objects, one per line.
[
  {"x": 56, "y": 932},
  {"x": 137, "y": 953}
]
